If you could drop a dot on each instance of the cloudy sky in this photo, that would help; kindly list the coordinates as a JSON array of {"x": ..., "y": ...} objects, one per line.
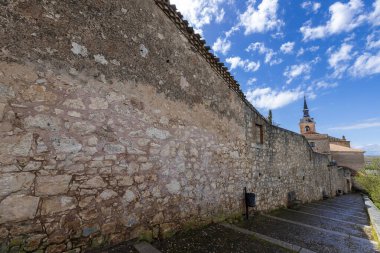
[{"x": 281, "y": 50}]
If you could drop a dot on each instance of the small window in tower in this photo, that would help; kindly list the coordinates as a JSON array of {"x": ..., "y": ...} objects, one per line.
[
  {"x": 259, "y": 134},
  {"x": 312, "y": 144},
  {"x": 307, "y": 128}
]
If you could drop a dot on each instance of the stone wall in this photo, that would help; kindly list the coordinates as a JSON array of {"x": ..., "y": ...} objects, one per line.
[{"x": 113, "y": 126}]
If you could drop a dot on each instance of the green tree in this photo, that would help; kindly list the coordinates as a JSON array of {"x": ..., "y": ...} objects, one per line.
[{"x": 270, "y": 117}]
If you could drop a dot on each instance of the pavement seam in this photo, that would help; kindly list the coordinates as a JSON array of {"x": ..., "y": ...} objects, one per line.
[
  {"x": 337, "y": 220},
  {"x": 339, "y": 208},
  {"x": 144, "y": 247},
  {"x": 321, "y": 229},
  {"x": 330, "y": 211},
  {"x": 283, "y": 244}
]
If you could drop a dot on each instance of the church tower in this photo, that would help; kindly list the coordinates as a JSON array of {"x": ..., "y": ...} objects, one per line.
[{"x": 307, "y": 124}]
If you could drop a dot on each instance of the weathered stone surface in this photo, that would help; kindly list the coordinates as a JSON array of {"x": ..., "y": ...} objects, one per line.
[
  {"x": 43, "y": 121},
  {"x": 9, "y": 168},
  {"x": 168, "y": 133},
  {"x": 66, "y": 145},
  {"x": 15, "y": 182},
  {"x": 17, "y": 145},
  {"x": 82, "y": 128},
  {"x": 2, "y": 108},
  {"x": 75, "y": 103},
  {"x": 38, "y": 93},
  {"x": 108, "y": 194},
  {"x": 18, "y": 208},
  {"x": 157, "y": 133},
  {"x": 129, "y": 196},
  {"x": 98, "y": 103},
  {"x": 41, "y": 146},
  {"x": 57, "y": 204},
  {"x": 55, "y": 248},
  {"x": 173, "y": 187},
  {"x": 114, "y": 148},
  {"x": 95, "y": 182},
  {"x": 52, "y": 185},
  {"x": 33, "y": 242},
  {"x": 32, "y": 166}
]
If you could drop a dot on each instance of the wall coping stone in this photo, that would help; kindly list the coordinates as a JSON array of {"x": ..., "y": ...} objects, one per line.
[
  {"x": 200, "y": 46},
  {"x": 374, "y": 214}
]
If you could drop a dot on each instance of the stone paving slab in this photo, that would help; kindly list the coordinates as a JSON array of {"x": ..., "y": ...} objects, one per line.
[
  {"x": 120, "y": 248},
  {"x": 322, "y": 228},
  {"x": 347, "y": 211},
  {"x": 325, "y": 223},
  {"x": 216, "y": 239},
  {"x": 333, "y": 214},
  {"x": 306, "y": 237}
]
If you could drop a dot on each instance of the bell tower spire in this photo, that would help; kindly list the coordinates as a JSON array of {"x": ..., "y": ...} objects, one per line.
[
  {"x": 305, "y": 108},
  {"x": 307, "y": 124}
]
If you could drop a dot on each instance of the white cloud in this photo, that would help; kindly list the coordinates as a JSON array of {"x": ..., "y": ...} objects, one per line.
[
  {"x": 287, "y": 48},
  {"x": 373, "y": 40},
  {"x": 338, "y": 59},
  {"x": 344, "y": 18},
  {"x": 301, "y": 51},
  {"x": 370, "y": 149},
  {"x": 270, "y": 55},
  {"x": 266, "y": 98},
  {"x": 311, "y": 6},
  {"x": 221, "y": 45},
  {"x": 294, "y": 71},
  {"x": 251, "y": 80},
  {"x": 200, "y": 12},
  {"x": 365, "y": 65},
  {"x": 357, "y": 126},
  {"x": 220, "y": 16},
  {"x": 244, "y": 64},
  {"x": 260, "y": 19},
  {"x": 325, "y": 85},
  {"x": 374, "y": 17}
]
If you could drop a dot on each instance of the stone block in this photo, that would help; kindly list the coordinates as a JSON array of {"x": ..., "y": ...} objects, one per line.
[
  {"x": 66, "y": 145},
  {"x": 108, "y": 194},
  {"x": 2, "y": 109},
  {"x": 114, "y": 149},
  {"x": 95, "y": 182},
  {"x": 57, "y": 204},
  {"x": 98, "y": 103},
  {"x": 15, "y": 182},
  {"x": 33, "y": 242},
  {"x": 157, "y": 133},
  {"x": 82, "y": 128},
  {"x": 52, "y": 185},
  {"x": 18, "y": 208},
  {"x": 43, "y": 121},
  {"x": 74, "y": 104},
  {"x": 32, "y": 166}
]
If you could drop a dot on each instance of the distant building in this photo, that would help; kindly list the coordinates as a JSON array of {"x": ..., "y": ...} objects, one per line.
[{"x": 339, "y": 150}]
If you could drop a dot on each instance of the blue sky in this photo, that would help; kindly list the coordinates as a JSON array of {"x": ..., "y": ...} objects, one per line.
[{"x": 282, "y": 50}]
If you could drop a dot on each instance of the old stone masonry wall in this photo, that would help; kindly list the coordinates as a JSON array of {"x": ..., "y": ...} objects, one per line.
[{"x": 113, "y": 126}]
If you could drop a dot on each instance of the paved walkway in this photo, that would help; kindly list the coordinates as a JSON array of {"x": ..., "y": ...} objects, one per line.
[{"x": 335, "y": 225}]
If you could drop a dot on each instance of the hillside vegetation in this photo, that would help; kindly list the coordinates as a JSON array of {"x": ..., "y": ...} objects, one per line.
[{"x": 369, "y": 179}]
